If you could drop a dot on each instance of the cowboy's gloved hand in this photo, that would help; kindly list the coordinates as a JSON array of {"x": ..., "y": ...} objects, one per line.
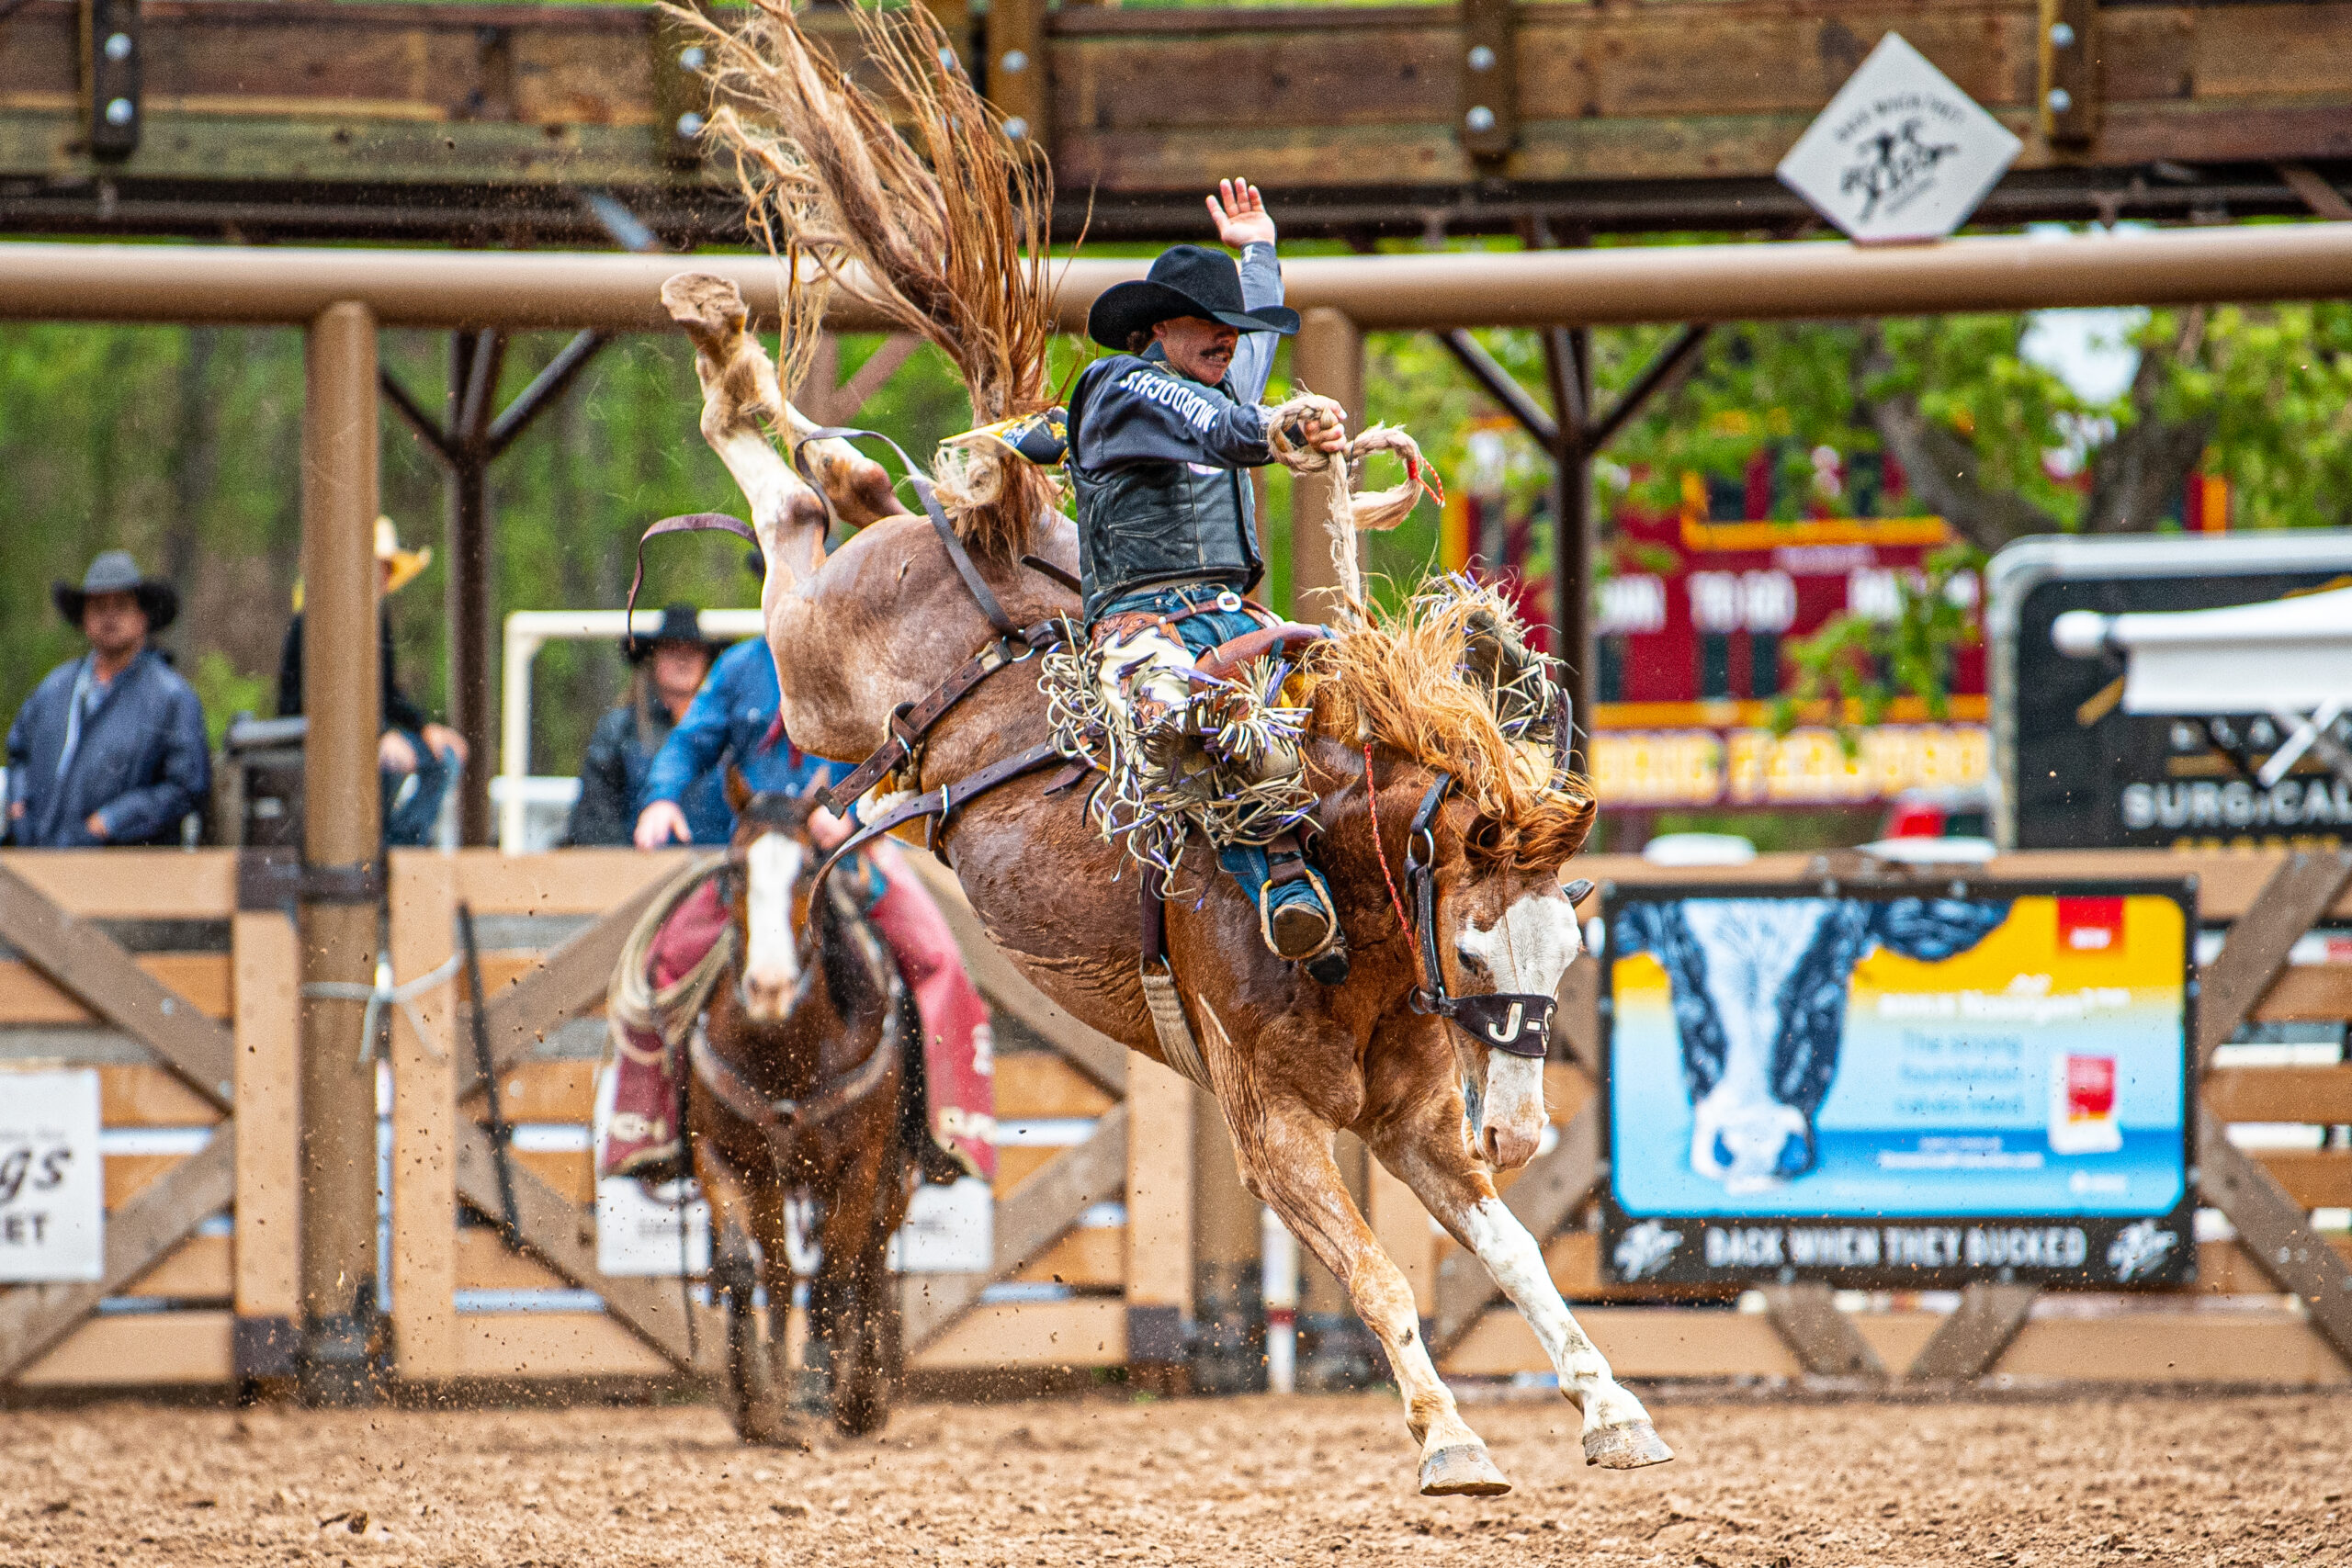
[
  {"x": 1315, "y": 423},
  {"x": 662, "y": 823}
]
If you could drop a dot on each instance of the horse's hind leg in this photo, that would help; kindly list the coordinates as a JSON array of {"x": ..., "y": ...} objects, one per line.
[
  {"x": 1287, "y": 1159},
  {"x": 1427, "y": 1152}
]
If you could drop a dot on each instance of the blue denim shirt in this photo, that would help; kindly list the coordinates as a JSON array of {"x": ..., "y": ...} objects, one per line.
[
  {"x": 140, "y": 762},
  {"x": 725, "y": 723}
]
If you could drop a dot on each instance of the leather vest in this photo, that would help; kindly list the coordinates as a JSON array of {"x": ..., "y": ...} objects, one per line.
[{"x": 1147, "y": 523}]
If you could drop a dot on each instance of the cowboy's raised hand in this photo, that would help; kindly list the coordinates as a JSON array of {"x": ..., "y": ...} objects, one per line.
[{"x": 1240, "y": 213}]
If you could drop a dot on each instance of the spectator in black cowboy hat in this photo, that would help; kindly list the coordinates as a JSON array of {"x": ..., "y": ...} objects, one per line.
[
  {"x": 109, "y": 749},
  {"x": 671, "y": 664}
]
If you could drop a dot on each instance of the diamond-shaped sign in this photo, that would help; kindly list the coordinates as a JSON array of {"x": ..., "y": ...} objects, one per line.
[{"x": 1900, "y": 153}]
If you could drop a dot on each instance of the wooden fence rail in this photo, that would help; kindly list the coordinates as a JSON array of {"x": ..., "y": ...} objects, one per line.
[{"x": 144, "y": 965}]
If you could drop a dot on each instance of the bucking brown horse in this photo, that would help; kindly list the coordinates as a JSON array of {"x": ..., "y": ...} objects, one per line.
[
  {"x": 865, "y": 634},
  {"x": 804, "y": 1081}
]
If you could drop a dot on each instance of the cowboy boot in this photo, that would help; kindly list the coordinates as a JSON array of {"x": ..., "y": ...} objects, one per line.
[
  {"x": 1296, "y": 915},
  {"x": 642, "y": 1132}
]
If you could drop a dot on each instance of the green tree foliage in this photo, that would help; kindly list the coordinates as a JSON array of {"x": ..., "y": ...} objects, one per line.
[{"x": 183, "y": 445}]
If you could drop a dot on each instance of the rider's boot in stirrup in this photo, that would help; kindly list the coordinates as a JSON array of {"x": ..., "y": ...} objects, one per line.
[
  {"x": 642, "y": 1134},
  {"x": 1295, "y": 912}
]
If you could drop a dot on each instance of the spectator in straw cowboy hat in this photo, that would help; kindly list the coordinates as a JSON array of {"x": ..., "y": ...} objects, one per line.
[
  {"x": 420, "y": 759},
  {"x": 672, "y": 665},
  {"x": 109, "y": 748}
]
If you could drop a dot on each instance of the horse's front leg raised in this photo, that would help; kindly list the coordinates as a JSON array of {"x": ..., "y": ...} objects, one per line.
[
  {"x": 1285, "y": 1155},
  {"x": 1426, "y": 1151}
]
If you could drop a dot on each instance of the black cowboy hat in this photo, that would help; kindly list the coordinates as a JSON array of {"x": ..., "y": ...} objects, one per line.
[
  {"x": 115, "y": 573},
  {"x": 1187, "y": 280},
  {"x": 678, "y": 623}
]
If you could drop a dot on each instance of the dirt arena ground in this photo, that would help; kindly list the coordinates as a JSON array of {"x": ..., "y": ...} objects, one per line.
[{"x": 2253, "y": 1481}]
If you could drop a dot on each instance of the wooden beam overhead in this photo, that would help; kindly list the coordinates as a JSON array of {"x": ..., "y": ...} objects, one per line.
[{"x": 303, "y": 116}]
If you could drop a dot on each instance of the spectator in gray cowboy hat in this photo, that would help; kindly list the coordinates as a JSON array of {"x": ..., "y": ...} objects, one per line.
[
  {"x": 671, "y": 666},
  {"x": 109, "y": 749}
]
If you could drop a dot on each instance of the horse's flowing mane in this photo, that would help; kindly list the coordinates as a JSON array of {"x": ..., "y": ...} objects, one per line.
[
  {"x": 1396, "y": 677},
  {"x": 944, "y": 216}
]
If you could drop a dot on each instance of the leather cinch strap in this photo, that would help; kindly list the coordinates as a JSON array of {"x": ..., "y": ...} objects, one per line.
[
  {"x": 910, "y": 721},
  {"x": 1158, "y": 976},
  {"x": 942, "y": 803}
]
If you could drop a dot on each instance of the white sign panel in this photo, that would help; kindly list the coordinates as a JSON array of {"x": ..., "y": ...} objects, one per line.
[
  {"x": 638, "y": 1233},
  {"x": 53, "y": 1192},
  {"x": 949, "y": 1230},
  {"x": 1900, "y": 153}
]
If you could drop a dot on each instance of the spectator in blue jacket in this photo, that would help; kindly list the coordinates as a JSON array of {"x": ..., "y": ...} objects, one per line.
[
  {"x": 109, "y": 749},
  {"x": 728, "y": 720}
]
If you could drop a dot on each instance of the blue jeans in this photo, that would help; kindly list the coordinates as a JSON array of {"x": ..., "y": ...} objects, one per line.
[
  {"x": 412, "y": 801},
  {"x": 1245, "y": 864}
]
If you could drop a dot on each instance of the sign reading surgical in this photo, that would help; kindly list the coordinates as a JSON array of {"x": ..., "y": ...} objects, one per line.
[
  {"x": 53, "y": 1192},
  {"x": 1900, "y": 153},
  {"x": 1914, "y": 1087}
]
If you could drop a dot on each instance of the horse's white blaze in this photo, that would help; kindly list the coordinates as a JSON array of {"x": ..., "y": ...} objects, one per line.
[
  {"x": 1530, "y": 948},
  {"x": 1512, "y": 1256},
  {"x": 1510, "y": 1124},
  {"x": 771, "y": 959},
  {"x": 1526, "y": 951}
]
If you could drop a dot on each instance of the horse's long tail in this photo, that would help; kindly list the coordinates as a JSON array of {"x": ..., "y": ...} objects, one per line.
[{"x": 946, "y": 216}]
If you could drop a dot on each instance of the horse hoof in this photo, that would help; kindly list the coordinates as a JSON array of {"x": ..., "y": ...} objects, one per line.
[
  {"x": 1625, "y": 1448},
  {"x": 1462, "y": 1470}
]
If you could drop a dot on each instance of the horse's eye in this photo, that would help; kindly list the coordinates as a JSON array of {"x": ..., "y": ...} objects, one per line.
[{"x": 1470, "y": 961}]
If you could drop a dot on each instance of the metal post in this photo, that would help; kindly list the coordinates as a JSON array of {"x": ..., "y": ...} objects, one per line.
[
  {"x": 1326, "y": 357},
  {"x": 475, "y": 360},
  {"x": 1572, "y": 519},
  {"x": 341, "y": 851}
]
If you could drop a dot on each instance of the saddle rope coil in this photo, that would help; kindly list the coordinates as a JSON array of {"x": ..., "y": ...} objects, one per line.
[{"x": 632, "y": 1001}]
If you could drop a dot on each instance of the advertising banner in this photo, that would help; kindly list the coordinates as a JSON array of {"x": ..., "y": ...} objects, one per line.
[
  {"x": 52, "y": 1190},
  {"x": 1909, "y": 1087}
]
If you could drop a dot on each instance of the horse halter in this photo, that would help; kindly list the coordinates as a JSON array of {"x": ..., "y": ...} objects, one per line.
[{"x": 1518, "y": 1022}]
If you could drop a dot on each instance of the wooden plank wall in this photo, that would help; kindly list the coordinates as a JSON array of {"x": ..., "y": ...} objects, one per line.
[{"x": 490, "y": 95}]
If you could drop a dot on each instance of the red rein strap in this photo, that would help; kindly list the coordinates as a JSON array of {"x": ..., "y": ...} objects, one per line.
[{"x": 1395, "y": 900}]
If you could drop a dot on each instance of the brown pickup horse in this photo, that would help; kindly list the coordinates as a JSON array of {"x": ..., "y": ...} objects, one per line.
[
  {"x": 886, "y": 619},
  {"x": 804, "y": 1071}
]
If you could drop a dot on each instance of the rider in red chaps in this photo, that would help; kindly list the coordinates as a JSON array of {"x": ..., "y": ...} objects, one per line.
[{"x": 729, "y": 722}]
